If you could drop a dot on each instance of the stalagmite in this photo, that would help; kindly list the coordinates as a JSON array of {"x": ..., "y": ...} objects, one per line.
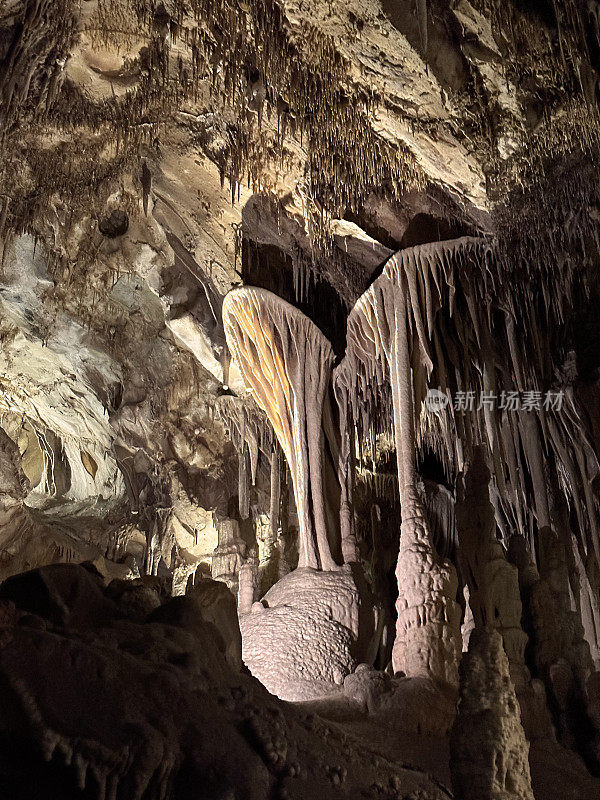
[
  {"x": 346, "y": 470},
  {"x": 275, "y": 487},
  {"x": 557, "y": 628},
  {"x": 285, "y": 362},
  {"x": 488, "y": 749},
  {"x": 243, "y": 483},
  {"x": 153, "y": 155},
  {"x": 493, "y": 583},
  {"x": 229, "y": 555},
  {"x": 441, "y": 295},
  {"x": 245, "y": 589}
]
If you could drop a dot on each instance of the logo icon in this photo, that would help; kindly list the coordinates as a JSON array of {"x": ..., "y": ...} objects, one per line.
[{"x": 436, "y": 401}]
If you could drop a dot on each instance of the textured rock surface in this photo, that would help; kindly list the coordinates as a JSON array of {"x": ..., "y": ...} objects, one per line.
[
  {"x": 13, "y": 483},
  {"x": 432, "y": 165},
  {"x": 218, "y": 607},
  {"x": 494, "y": 595},
  {"x": 154, "y": 707},
  {"x": 384, "y": 329},
  {"x": 488, "y": 749},
  {"x": 307, "y": 633}
]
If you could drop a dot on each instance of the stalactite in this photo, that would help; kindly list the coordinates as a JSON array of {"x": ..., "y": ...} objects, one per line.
[
  {"x": 438, "y": 286},
  {"x": 346, "y": 469},
  {"x": 243, "y": 483},
  {"x": 248, "y": 428},
  {"x": 286, "y": 362},
  {"x": 274, "y": 503}
]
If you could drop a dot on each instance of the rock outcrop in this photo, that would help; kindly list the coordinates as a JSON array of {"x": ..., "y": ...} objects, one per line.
[{"x": 123, "y": 708}]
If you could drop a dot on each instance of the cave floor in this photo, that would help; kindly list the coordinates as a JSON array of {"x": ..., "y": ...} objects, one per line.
[{"x": 556, "y": 773}]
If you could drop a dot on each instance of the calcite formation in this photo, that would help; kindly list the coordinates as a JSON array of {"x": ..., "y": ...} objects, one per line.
[
  {"x": 299, "y": 377},
  {"x": 286, "y": 363},
  {"x": 307, "y": 633},
  {"x": 381, "y": 329},
  {"x": 494, "y": 596},
  {"x": 488, "y": 750}
]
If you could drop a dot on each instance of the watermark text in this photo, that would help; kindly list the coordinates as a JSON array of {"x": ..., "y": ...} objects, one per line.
[{"x": 470, "y": 400}]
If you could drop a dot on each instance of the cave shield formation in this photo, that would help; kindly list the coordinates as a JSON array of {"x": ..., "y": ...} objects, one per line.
[
  {"x": 385, "y": 375},
  {"x": 286, "y": 362},
  {"x": 387, "y": 342},
  {"x": 299, "y": 399}
]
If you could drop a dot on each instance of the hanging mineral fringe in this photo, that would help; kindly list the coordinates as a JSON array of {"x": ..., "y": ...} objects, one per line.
[
  {"x": 243, "y": 482},
  {"x": 274, "y": 503},
  {"x": 285, "y": 361}
]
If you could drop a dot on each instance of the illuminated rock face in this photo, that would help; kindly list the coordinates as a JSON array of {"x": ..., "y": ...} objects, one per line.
[
  {"x": 386, "y": 336},
  {"x": 305, "y": 635},
  {"x": 285, "y": 362},
  {"x": 488, "y": 749},
  {"x": 428, "y": 629}
]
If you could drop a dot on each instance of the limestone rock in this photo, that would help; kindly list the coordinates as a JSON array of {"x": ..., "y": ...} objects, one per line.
[
  {"x": 65, "y": 594},
  {"x": 218, "y": 607},
  {"x": 488, "y": 749},
  {"x": 366, "y": 685},
  {"x": 229, "y": 554},
  {"x": 307, "y": 633},
  {"x": 426, "y": 642},
  {"x": 418, "y": 706},
  {"x": 115, "y": 224},
  {"x": 133, "y": 709},
  {"x": 135, "y": 599},
  {"x": 493, "y": 583},
  {"x": 13, "y": 483}
]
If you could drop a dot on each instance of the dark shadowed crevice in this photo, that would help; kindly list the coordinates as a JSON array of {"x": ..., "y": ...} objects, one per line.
[
  {"x": 268, "y": 267},
  {"x": 424, "y": 228}
]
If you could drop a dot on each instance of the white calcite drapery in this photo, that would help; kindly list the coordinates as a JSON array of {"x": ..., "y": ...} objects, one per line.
[
  {"x": 286, "y": 362},
  {"x": 437, "y": 316}
]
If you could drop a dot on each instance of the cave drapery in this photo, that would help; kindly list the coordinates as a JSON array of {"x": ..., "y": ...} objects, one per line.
[
  {"x": 299, "y": 369},
  {"x": 286, "y": 363},
  {"x": 406, "y": 334}
]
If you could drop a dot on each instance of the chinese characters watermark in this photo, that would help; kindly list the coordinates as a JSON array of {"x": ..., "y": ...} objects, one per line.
[{"x": 436, "y": 401}]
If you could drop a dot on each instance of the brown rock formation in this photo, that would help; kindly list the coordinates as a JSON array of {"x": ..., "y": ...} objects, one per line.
[{"x": 411, "y": 188}]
